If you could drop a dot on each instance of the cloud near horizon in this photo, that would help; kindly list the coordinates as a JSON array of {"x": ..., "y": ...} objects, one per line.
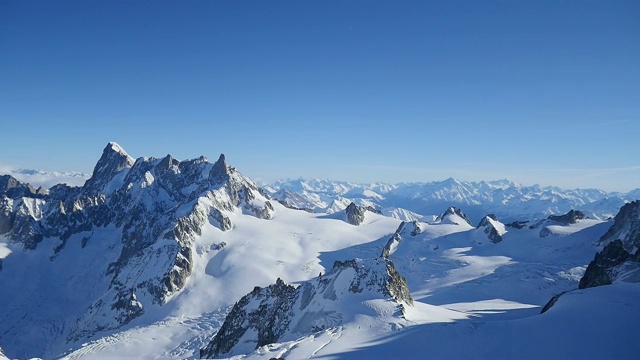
[{"x": 45, "y": 179}]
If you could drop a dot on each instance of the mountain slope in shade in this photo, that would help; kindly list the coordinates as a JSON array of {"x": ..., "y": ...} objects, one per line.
[{"x": 620, "y": 258}]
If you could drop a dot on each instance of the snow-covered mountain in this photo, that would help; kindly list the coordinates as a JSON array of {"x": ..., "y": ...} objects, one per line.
[
  {"x": 283, "y": 312},
  {"x": 161, "y": 258},
  {"x": 410, "y": 201},
  {"x": 129, "y": 233}
]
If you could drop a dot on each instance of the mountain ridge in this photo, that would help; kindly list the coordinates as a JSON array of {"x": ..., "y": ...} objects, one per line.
[{"x": 508, "y": 200}]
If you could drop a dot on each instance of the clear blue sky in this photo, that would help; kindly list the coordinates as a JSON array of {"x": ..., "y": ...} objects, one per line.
[{"x": 541, "y": 92}]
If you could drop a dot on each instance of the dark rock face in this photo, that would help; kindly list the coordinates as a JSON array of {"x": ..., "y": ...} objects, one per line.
[
  {"x": 622, "y": 245},
  {"x": 150, "y": 201},
  {"x": 489, "y": 229},
  {"x": 128, "y": 306},
  {"x": 268, "y": 311},
  {"x": 111, "y": 163},
  {"x": 551, "y": 302},
  {"x": 455, "y": 211},
  {"x": 570, "y": 217},
  {"x": 413, "y": 228},
  {"x": 355, "y": 214},
  {"x": 281, "y": 310},
  {"x": 517, "y": 224},
  {"x": 602, "y": 270},
  {"x": 485, "y": 221},
  {"x": 626, "y": 227},
  {"x": 14, "y": 189}
]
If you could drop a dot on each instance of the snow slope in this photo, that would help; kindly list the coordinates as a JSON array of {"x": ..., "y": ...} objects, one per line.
[
  {"x": 479, "y": 300},
  {"x": 256, "y": 253},
  {"x": 213, "y": 236},
  {"x": 576, "y": 328}
]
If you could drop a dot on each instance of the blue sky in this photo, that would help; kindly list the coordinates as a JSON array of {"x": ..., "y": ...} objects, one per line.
[{"x": 538, "y": 92}]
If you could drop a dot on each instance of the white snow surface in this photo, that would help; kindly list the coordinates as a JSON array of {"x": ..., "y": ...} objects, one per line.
[
  {"x": 483, "y": 295},
  {"x": 472, "y": 298}
]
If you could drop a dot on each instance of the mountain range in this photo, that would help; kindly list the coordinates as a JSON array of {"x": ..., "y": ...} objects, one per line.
[
  {"x": 420, "y": 201},
  {"x": 162, "y": 258}
]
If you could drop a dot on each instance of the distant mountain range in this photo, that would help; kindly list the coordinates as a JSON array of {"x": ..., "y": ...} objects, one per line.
[
  {"x": 506, "y": 199},
  {"x": 509, "y": 201},
  {"x": 47, "y": 179}
]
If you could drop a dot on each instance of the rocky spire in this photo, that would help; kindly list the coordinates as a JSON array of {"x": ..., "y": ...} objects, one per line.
[
  {"x": 355, "y": 214},
  {"x": 113, "y": 161},
  {"x": 220, "y": 170}
]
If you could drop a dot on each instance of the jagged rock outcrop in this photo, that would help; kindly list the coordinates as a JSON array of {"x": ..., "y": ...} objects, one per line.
[
  {"x": 517, "y": 224},
  {"x": 109, "y": 171},
  {"x": 280, "y": 311},
  {"x": 605, "y": 266},
  {"x": 626, "y": 227},
  {"x": 570, "y": 217},
  {"x": 14, "y": 189},
  {"x": 552, "y": 302},
  {"x": 2, "y": 355},
  {"x": 453, "y": 212},
  {"x": 406, "y": 227},
  {"x": 355, "y": 214},
  {"x": 622, "y": 249},
  {"x": 616, "y": 257},
  {"x": 156, "y": 208},
  {"x": 492, "y": 228}
]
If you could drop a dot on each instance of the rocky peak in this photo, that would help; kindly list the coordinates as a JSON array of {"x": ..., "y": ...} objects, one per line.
[
  {"x": 355, "y": 214},
  {"x": 14, "y": 189},
  {"x": 570, "y": 217},
  {"x": 281, "y": 312},
  {"x": 156, "y": 209},
  {"x": 493, "y": 228},
  {"x": 113, "y": 162},
  {"x": 486, "y": 221},
  {"x": 454, "y": 211},
  {"x": 220, "y": 171}
]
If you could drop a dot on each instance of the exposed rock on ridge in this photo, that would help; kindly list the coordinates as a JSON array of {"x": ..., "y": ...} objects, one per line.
[
  {"x": 413, "y": 228},
  {"x": 604, "y": 267},
  {"x": 280, "y": 311},
  {"x": 492, "y": 228},
  {"x": 570, "y": 217},
  {"x": 626, "y": 227},
  {"x": 452, "y": 210},
  {"x": 622, "y": 248}
]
